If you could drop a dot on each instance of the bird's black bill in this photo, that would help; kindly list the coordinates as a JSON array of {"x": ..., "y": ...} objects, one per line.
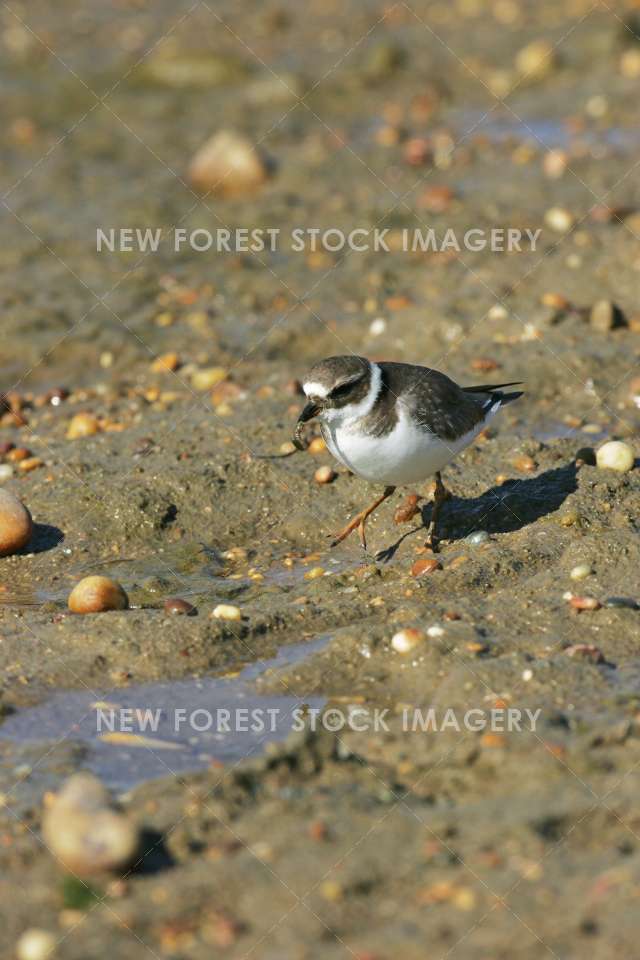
[{"x": 309, "y": 411}]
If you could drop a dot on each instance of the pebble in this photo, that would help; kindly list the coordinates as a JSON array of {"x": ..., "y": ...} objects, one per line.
[
  {"x": 317, "y": 445},
  {"x": 314, "y": 573},
  {"x": 29, "y": 464},
  {"x": 404, "y": 641},
  {"x": 524, "y": 464},
  {"x": 536, "y": 60},
  {"x": 407, "y": 509},
  {"x": 630, "y": 63},
  {"x": 559, "y": 219},
  {"x": 377, "y": 326},
  {"x": 581, "y": 571},
  {"x": 423, "y": 567},
  {"x": 585, "y": 651},
  {"x": 16, "y": 525},
  {"x": 435, "y": 631},
  {"x": 97, "y": 594},
  {"x": 606, "y": 315},
  {"x": 6, "y": 472},
  {"x": 228, "y": 164},
  {"x": 554, "y": 164},
  {"x": 478, "y": 537},
  {"x": 18, "y": 454},
  {"x": 35, "y": 944},
  {"x": 208, "y": 377},
  {"x": 84, "y": 831},
  {"x": 82, "y": 425},
  {"x": 615, "y": 455},
  {"x": 622, "y": 603},
  {"x": 177, "y": 606},
  {"x": 166, "y": 363},
  {"x": 324, "y": 475},
  {"x": 584, "y": 603},
  {"x": 227, "y": 611}
]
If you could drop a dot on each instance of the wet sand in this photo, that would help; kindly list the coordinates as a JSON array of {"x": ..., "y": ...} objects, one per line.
[{"x": 372, "y": 844}]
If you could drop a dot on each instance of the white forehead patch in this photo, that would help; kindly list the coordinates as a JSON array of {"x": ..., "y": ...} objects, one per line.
[{"x": 313, "y": 389}]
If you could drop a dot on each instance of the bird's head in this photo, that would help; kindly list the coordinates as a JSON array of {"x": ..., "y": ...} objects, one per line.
[{"x": 336, "y": 389}]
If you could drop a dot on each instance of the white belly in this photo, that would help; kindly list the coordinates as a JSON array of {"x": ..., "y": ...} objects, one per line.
[{"x": 408, "y": 454}]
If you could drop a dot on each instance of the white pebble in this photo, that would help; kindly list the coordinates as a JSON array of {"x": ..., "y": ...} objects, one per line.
[
  {"x": 581, "y": 571},
  {"x": 498, "y": 312},
  {"x": 559, "y": 219},
  {"x": 36, "y": 944},
  {"x": 226, "y": 611},
  {"x": 404, "y": 641},
  {"x": 6, "y": 472},
  {"x": 615, "y": 455},
  {"x": 377, "y": 326},
  {"x": 527, "y": 675},
  {"x": 435, "y": 631}
]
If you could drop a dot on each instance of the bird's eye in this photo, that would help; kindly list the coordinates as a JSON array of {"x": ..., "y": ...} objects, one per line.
[{"x": 341, "y": 390}]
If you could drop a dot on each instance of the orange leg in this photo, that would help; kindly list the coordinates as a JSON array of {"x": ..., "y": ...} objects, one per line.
[
  {"x": 360, "y": 519},
  {"x": 440, "y": 496}
]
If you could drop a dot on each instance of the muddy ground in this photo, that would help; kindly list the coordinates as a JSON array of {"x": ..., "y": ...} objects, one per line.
[{"x": 391, "y": 843}]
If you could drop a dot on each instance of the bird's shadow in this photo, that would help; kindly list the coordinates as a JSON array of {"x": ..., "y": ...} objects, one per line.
[{"x": 503, "y": 508}]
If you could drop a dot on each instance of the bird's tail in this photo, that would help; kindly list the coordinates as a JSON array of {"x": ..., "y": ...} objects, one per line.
[{"x": 494, "y": 392}]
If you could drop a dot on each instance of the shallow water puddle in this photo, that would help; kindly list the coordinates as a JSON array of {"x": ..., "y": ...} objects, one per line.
[{"x": 154, "y": 730}]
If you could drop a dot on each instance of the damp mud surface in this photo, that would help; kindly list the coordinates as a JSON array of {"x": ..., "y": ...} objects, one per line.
[{"x": 397, "y": 837}]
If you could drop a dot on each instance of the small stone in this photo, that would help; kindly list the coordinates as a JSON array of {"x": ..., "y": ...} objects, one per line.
[
  {"x": 35, "y": 944},
  {"x": 407, "y": 509},
  {"x": 228, "y": 164},
  {"x": 82, "y": 425},
  {"x": 97, "y": 594},
  {"x": 622, "y": 603},
  {"x": 477, "y": 537},
  {"x": 208, "y": 377},
  {"x": 226, "y": 611},
  {"x": 316, "y": 446},
  {"x": 417, "y": 151},
  {"x": 585, "y": 651},
  {"x": 178, "y": 607},
  {"x": 615, "y": 455},
  {"x": 424, "y": 567},
  {"x": 435, "y": 631},
  {"x": 287, "y": 448},
  {"x": 537, "y": 60},
  {"x": 6, "y": 472},
  {"x": 377, "y": 326},
  {"x": 405, "y": 641},
  {"x": 18, "y": 454},
  {"x": 477, "y": 647},
  {"x": 16, "y": 525},
  {"x": 559, "y": 219},
  {"x": 584, "y": 603},
  {"x": 324, "y": 475},
  {"x": 166, "y": 363},
  {"x": 630, "y": 63},
  {"x": 524, "y": 464},
  {"x": 436, "y": 198},
  {"x": 557, "y": 301},
  {"x": 85, "y": 831},
  {"x": 554, "y": 164},
  {"x": 484, "y": 364},
  {"x": 29, "y": 464},
  {"x": 314, "y": 573},
  {"x": 581, "y": 571},
  {"x": 605, "y": 316}
]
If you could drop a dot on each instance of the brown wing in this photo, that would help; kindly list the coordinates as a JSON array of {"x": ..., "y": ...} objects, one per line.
[{"x": 435, "y": 400}]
